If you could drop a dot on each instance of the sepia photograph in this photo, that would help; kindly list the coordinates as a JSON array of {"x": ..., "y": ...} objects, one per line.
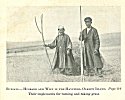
[{"x": 63, "y": 44}]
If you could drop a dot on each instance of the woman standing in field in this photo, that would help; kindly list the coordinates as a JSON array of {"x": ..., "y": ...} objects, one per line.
[{"x": 63, "y": 59}]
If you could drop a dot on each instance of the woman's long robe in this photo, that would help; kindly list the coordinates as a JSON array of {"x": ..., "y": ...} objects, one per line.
[{"x": 65, "y": 62}]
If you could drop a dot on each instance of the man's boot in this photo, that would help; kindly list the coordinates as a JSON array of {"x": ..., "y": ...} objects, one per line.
[
  {"x": 91, "y": 72},
  {"x": 86, "y": 72},
  {"x": 96, "y": 71},
  {"x": 100, "y": 72}
]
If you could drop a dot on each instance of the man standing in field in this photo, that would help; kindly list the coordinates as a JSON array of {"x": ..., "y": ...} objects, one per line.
[
  {"x": 91, "y": 55},
  {"x": 63, "y": 59}
]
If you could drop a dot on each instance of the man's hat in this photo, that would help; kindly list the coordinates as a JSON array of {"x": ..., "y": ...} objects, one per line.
[
  {"x": 88, "y": 19},
  {"x": 61, "y": 27}
]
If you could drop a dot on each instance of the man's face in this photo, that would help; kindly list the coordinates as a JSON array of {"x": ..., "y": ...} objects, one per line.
[{"x": 88, "y": 23}]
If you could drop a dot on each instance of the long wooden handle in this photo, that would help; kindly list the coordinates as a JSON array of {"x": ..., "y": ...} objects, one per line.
[
  {"x": 81, "y": 48},
  {"x": 41, "y": 32}
]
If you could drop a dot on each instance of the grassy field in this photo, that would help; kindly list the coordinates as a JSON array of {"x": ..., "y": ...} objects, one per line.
[{"x": 33, "y": 65}]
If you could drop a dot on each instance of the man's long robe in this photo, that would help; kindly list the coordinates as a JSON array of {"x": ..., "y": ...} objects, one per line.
[
  {"x": 62, "y": 60},
  {"x": 91, "y": 43}
]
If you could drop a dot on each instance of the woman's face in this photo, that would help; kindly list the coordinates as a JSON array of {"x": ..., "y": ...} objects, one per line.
[{"x": 61, "y": 30}]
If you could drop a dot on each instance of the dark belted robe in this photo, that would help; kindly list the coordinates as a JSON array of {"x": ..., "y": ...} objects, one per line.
[{"x": 91, "y": 43}]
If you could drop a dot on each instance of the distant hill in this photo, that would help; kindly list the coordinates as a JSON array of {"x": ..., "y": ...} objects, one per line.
[
  {"x": 14, "y": 47},
  {"x": 107, "y": 40},
  {"x": 110, "y": 39}
]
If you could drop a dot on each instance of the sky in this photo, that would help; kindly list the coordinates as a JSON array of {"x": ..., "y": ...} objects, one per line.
[{"x": 21, "y": 21}]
